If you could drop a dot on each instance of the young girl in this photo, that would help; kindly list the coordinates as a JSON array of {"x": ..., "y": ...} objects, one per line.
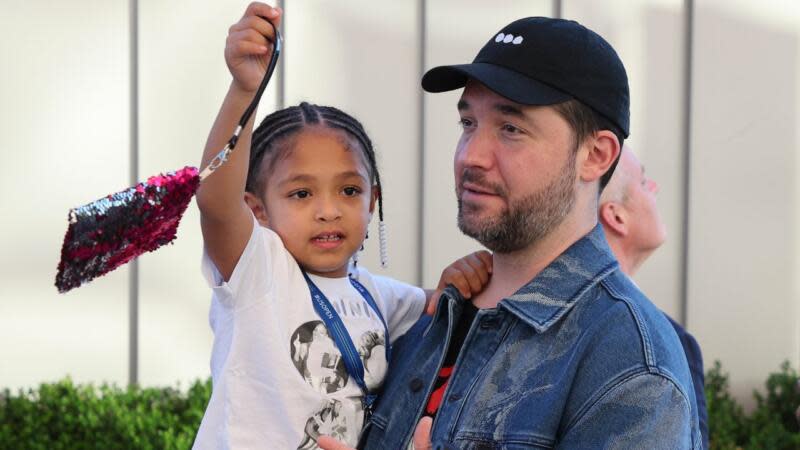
[{"x": 301, "y": 336}]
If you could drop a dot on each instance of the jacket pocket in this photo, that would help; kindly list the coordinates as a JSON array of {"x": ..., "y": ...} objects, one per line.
[
  {"x": 375, "y": 428},
  {"x": 486, "y": 441},
  {"x": 471, "y": 444}
]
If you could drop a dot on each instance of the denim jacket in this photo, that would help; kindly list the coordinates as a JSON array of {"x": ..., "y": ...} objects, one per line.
[{"x": 577, "y": 358}]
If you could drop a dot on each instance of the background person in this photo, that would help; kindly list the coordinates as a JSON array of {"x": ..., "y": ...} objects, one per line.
[{"x": 634, "y": 230}]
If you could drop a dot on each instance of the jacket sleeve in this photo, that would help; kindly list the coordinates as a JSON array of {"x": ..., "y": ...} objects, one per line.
[{"x": 645, "y": 410}]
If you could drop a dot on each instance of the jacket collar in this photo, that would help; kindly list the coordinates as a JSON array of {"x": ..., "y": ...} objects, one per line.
[{"x": 553, "y": 292}]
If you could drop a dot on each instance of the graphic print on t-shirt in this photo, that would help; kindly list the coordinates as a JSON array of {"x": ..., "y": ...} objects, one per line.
[
  {"x": 328, "y": 421},
  {"x": 319, "y": 361}
]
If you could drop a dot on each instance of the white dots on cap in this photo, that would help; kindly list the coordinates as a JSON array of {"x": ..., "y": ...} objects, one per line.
[{"x": 508, "y": 38}]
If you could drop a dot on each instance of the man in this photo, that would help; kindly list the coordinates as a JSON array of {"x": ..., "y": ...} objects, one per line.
[
  {"x": 561, "y": 349},
  {"x": 634, "y": 230}
]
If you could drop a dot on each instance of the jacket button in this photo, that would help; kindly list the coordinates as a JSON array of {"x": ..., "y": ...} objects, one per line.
[{"x": 415, "y": 385}]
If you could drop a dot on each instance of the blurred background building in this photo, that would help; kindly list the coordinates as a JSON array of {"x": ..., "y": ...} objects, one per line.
[{"x": 95, "y": 93}]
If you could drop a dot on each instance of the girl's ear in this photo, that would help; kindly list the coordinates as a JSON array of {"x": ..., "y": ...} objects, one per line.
[
  {"x": 373, "y": 198},
  {"x": 603, "y": 151},
  {"x": 258, "y": 207}
]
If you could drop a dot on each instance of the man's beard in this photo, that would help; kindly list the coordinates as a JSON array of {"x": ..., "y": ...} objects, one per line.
[{"x": 525, "y": 221}]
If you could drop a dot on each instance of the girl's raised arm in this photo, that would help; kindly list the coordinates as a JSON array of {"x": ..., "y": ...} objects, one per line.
[{"x": 225, "y": 218}]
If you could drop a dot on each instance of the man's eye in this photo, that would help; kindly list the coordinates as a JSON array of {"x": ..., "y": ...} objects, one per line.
[
  {"x": 300, "y": 194},
  {"x": 508, "y": 128},
  {"x": 351, "y": 191},
  {"x": 465, "y": 123}
]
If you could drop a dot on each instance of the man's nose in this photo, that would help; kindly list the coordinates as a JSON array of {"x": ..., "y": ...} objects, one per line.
[
  {"x": 476, "y": 150},
  {"x": 652, "y": 186}
]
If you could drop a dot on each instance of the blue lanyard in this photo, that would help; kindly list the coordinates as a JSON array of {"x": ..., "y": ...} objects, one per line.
[{"x": 342, "y": 339}]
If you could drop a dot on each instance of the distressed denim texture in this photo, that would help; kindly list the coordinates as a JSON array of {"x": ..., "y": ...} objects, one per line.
[{"x": 577, "y": 358}]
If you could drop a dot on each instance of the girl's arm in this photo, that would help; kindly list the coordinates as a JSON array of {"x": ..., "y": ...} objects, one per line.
[
  {"x": 469, "y": 275},
  {"x": 225, "y": 219}
]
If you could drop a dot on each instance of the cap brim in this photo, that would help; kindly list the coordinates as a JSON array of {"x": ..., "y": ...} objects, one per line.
[{"x": 508, "y": 83}]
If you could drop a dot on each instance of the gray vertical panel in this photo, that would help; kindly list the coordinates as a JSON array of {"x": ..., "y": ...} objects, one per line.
[
  {"x": 280, "y": 93},
  {"x": 423, "y": 42},
  {"x": 688, "y": 11},
  {"x": 133, "y": 283},
  {"x": 455, "y": 31}
]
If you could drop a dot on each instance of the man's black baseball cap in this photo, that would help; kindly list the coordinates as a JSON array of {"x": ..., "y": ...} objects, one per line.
[{"x": 544, "y": 61}]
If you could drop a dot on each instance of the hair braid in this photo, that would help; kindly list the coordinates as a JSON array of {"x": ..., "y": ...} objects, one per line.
[
  {"x": 266, "y": 137},
  {"x": 338, "y": 119},
  {"x": 310, "y": 113}
]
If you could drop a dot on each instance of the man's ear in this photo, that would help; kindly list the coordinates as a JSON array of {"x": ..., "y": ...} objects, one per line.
[
  {"x": 258, "y": 207},
  {"x": 602, "y": 150},
  {"x": 614, "y": 218}
]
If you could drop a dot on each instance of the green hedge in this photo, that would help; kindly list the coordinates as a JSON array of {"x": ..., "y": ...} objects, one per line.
[
  {"x": 772, "y": 425},
  {"x": 65, "y": 416}
]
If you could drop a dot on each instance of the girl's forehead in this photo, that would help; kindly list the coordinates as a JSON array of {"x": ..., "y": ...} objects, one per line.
[{"x": 320, "y": 149}]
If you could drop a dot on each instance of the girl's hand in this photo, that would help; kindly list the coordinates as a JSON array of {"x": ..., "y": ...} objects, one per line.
[
  {"x": 421, "y": 439},
  {"x": 249, "y": 45},
  {"x": 469, "y": 275}
]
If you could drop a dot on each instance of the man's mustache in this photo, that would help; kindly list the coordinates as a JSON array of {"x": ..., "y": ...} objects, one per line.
[{"x": 478, "y": 178}]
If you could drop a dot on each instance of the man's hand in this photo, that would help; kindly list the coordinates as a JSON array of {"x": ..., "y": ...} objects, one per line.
[
  {"x": 421, "y": 440},
  {"x": 469, "y": 275}
]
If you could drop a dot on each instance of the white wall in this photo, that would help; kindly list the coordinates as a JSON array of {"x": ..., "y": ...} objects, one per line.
[
  {"x": 743, "y": 265},
  {"x": 64, "y": 122},
  {"x": 65, "y": 112}
]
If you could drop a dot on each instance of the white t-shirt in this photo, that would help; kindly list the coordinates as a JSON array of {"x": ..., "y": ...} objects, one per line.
[{"x": 279, "y": 380}]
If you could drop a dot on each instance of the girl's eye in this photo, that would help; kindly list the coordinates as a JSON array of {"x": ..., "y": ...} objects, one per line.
[
  {"x": 351, "y": 191},
  {"x": 300, "y": 194}
]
